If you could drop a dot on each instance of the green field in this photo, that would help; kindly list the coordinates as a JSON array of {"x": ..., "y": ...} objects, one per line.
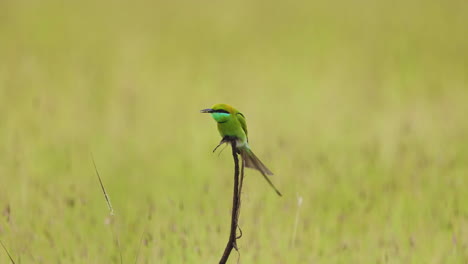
[{"x": 358, "y": 107}]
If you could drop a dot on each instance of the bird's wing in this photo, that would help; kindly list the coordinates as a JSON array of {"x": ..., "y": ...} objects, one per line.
[{"x": 241, "y": 119}]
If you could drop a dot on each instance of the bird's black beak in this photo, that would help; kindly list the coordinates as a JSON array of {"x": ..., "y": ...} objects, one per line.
[{"x": 209, "y": 110}]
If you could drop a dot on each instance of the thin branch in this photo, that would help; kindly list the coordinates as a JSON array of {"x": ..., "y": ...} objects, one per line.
[
  {"x": 239, "y": 198},
  {"x": 235, "y": 205},
  {"x": 225, "y": 140},
  {"x": 8, "y": 253}
]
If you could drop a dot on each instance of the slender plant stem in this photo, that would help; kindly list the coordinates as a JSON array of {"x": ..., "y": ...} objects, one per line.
[
  {"x": 8, "y": 253},
  {"x": 235, "y": 206}
]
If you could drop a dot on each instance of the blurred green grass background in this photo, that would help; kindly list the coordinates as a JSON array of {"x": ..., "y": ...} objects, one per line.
[{"x": 359, "y": 107}]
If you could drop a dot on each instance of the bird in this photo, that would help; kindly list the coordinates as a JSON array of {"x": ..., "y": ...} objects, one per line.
[{"x": 232, "y": 126}]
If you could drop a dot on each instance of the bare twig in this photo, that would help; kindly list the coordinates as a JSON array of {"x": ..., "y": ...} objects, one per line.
[
  {"x": 235, "y": 203},
  {"x": 8, "y": 253},
  {"x": 239, "y": 198},
  {"x": 223, "y": 141}
]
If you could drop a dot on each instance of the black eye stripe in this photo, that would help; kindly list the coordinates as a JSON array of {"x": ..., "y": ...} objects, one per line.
[{"x": 221, "y": 111}]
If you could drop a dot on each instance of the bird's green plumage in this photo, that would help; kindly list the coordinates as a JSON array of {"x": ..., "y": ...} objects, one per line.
[{"x": 231, "y": 123}]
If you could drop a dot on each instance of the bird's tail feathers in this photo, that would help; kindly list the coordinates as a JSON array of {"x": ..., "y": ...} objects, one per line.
[{"x": 251, "y": 161}]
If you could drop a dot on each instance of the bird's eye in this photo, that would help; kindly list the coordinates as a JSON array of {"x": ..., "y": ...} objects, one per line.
[{"x": 221, "y": 111}]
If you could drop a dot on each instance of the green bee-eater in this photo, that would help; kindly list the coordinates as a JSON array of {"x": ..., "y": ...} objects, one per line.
[{"x": 231, "y": 124}]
